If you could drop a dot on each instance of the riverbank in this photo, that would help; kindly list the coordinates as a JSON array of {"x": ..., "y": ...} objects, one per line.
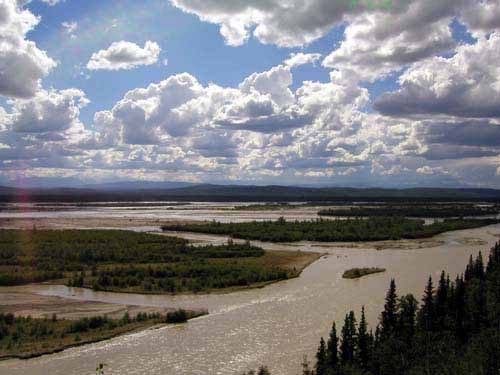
[
  {"x": 28, "y": 337},
  {"x": 42, "y": 223},
  {"x": 22, "y": 301},
  {"x": 40, "y": 310}
]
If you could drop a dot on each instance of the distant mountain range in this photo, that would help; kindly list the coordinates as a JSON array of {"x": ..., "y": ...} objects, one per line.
[
  {"x": 138, "y": 185},
  {"x": 172, "y": 191}
]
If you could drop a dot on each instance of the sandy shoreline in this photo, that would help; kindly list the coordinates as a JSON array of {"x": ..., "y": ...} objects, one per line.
[
  {"x": 85, "y": 223},
  {"x": 21, "y": 301}
]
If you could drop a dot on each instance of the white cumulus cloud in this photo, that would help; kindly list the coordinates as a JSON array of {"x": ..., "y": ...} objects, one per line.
[
  {"x": 124, "y": 55},
  {"x": 22, "y": 63},
  {"x": 298, "y": 59}
]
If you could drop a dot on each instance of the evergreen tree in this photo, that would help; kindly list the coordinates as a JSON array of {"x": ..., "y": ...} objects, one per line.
[
  {"x": 363, "y": 341},
  {"x": 408, "y": 306},
  {"x": 442, "y": 300},
  {"x": 332, "y": 348},
  {"x": 459, "y": 309},
  {"x": 469, "y": 270},
  {"x": 427, "y": 312},
  {"x": 389, "y": 315},
  {"x": 377, "y": 340},
  {"x": 321, "y": 358},
  {"x": 348, "y": 342},
  {"x": 479, "y": 267}
]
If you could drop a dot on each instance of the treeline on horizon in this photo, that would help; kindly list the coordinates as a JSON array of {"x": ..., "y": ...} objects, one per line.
[
  {"x": 416, "y": 211},
  {"x": 243, "y": 193},
  {"x": 129, "y": 261},
  {"x": 324, "y": 230},
  {"x": 454, "y": 331}
]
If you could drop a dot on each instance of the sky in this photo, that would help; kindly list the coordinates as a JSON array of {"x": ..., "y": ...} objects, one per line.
[{"x": 363, "y": 93}]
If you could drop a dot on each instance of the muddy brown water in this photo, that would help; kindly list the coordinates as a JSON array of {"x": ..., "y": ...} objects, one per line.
[{"x": 276, "y": 325}]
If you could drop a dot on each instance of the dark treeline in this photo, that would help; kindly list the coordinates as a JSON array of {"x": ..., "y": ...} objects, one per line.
[
  {"x": 129, "y": 261},
  {"x": 358, "y": 229},
  {"x": 245, "y": 193},
  {"x": 432, "y": 211},
  {"x": 27, "y": 336},
  {"x": 194, "y": 276},
  {"x": 455, "y": 331}
]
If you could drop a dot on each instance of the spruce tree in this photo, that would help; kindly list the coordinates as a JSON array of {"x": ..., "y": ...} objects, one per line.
[
  {"x": 321, "y": 358},
  {"x": 442, "y": 300},
  {"x": 481, "y": 306},
  {"x": 376, "y": 337},
  {"x": 479, "y": 267},
  {"x": 427, "y": 312},
  {"x": 363, "y": 342},
  {"x": 348, "y": 342},
  {"x": 459, "y": 309},
  {"x": 332, "y": 348},
  {"x": 469, "y": 270},
  {"x": 389, "y": 315},
  {"x": 408, "y": 306}
]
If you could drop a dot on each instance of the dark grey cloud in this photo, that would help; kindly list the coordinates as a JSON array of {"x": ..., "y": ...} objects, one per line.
[
  {"x": 409, "y": 102},
  {"x": 444, "y": 152},
  {"x": 267, "y": 124},
  {"x": 469, "y": 133}
]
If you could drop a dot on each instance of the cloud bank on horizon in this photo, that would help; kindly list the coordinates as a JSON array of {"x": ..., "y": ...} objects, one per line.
[{"x": 347, "y": 92}]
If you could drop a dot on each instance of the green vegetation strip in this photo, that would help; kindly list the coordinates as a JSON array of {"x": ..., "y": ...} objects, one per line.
[
  {"x": 138, "y": 262},
  {"x": 371, "y": 229},
  {"x": 429, "y": 211},
  {"x": 270, "y": 206},
  {"x": 356, "y": 273},
  {"x": 25, "y": 337}
]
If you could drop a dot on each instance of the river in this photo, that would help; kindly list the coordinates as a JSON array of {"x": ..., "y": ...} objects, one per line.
[
  {"x": 223, "y": 212},
  {"x": 276, "y": 325}
]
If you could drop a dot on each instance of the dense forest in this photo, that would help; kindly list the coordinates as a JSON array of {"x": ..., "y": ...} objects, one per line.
[
  {"x": 455, "y": 330},
  {"x": 196, "y": 276},
  {"x": 429, "y": 211},
  {"x": 130, "y": 261},
  {"x": 26, "y": 337},
  {"x": 358, "y": 229}
]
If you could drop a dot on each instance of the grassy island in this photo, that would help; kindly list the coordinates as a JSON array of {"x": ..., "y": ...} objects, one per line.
[
  {"x": 26, "y": 337},
  {"x": 358, "y": 229},
  {"x": 356, "y": 273},
  {"x": 415, "y": 210},
  {"x": 124, "y": 261},
  {"x": 270, "y": 206}
]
